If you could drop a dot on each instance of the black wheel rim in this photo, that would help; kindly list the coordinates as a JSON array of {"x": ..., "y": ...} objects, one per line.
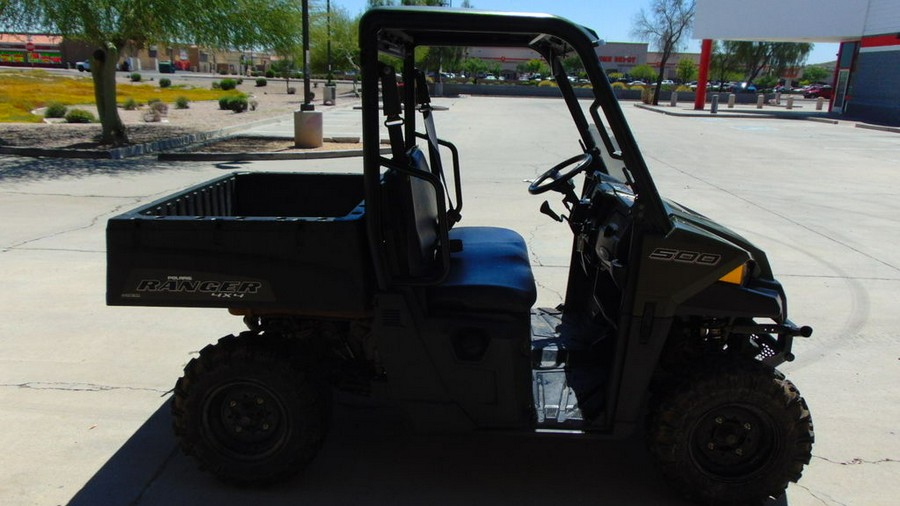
[
  {"x": 734, "y": 442},
  {"x": 245, "y": 420}
]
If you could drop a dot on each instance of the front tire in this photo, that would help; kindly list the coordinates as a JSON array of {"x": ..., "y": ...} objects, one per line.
[
  {"x": 247, "y": 412},
  {"x": 737, "y": 434}
]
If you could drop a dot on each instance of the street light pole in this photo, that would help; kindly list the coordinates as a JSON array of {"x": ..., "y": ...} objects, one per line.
[
  {"x": 307, "y": 104},
  {"x": 328, "y": 10}
]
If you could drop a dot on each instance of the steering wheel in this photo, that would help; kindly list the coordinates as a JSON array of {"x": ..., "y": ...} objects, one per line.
[{"x": 556, "y": 179}]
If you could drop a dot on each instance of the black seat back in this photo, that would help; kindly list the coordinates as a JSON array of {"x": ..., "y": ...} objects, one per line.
[{"x": 421, "y": 217}]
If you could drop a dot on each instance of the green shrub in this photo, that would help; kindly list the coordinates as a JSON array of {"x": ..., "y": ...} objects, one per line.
[
  {"x": 270, "y": 73},
  {"x": 683, "y": 88},
  {"x": 130, "y": 104},
  {"x": 182, "y": 103},
  {"x": 619, "y": 86},
  {"x": 547, "y": 83},
  {"x": 234, "y": 103},
  {"x": 165, "y": 82},
  {"x": 240, "y": 81},
  {"x": 79, "y": 116},
  {"x": 261, "y": 81},
  {"x": 216, "y": 85},
  {"x": 55, "y": 110},
  {"x": 136, "y": 77},
  {"x": 228, "y": 84}
]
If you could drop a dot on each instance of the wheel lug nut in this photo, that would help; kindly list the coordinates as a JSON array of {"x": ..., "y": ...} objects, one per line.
[
  {"x": 232, "y": 404},
  {"x": 265, "y": 426},
  {"x": 711, "y": 446},
  {"x": 747, "y": 426},
  {"x": 720, "y": 420},
  {"x": 739, "y": 452},
  {"x": 238, "y": 429},
  {"x": 259, "y": 400}
]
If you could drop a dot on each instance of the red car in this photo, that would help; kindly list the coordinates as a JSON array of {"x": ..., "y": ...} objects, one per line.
[{"x": 818, "y": 90}]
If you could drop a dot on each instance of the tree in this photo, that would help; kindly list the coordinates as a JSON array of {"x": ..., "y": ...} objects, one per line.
[
  {"x": 344, "y": 40},
  {"x": 723, "y": 64},
  {"x": 435, "y": 58},
  {"x": 427, "y": 3},
  {"x": 772, "y": 57},
  {"x": 667, "y": 23},
  {"x": 110, "y": 25},
  {"x": 686, "y": 70},
  {"x": 534, "y": 66},
  {"x": 643, "y": 72},
  {"x": 475, "y": 66},
  {"x": 816, "y": 74},
  {"x": 574, "y": 65}
]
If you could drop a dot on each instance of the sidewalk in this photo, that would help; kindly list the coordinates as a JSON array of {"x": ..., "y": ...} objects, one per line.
[{"x": 803, "y": 110}]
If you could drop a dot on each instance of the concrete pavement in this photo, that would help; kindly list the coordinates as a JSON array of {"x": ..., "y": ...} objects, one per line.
[{"x": 84, "y": 386}]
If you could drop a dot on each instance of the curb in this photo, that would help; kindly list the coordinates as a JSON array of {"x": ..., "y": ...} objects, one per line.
[
  {"x": 54, "y": 153},
  {"x": 241, "y": 157},
  {"x": 881, "y": 128},
  {"x": 742, "y": 114},
  {"x": 825, "y": 120}
]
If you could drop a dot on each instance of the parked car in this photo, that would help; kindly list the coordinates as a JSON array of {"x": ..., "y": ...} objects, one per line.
[
  {"x": 83, "y": 66},
  {"x": 741, "y": 87},
  {"x": 818, "y": 90}
]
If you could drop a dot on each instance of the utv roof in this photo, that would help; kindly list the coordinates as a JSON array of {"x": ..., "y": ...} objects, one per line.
[{"x": 427, "y": 26}]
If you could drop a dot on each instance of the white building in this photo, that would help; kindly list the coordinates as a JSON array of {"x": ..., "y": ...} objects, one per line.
[{"x": 868, "y": 67}]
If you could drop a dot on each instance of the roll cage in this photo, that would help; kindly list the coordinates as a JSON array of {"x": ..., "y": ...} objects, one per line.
[{"x": 398, "y": 31}]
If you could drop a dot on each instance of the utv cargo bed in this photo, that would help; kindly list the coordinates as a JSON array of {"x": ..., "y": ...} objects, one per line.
[{"x": 261, "y": 241}]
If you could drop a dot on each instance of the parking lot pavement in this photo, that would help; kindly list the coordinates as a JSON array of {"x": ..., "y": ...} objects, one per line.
[{"x": 84, "y": 386}]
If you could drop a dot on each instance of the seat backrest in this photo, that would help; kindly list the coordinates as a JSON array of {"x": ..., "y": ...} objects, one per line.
[
  {"x": 411, "y": 221},
  {"x": 421, "y": 219}
]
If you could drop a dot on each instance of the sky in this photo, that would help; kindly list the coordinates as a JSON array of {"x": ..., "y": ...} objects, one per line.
[{"x": 611, "y": 19}]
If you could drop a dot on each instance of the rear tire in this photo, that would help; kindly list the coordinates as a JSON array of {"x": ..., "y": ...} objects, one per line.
[
  {"x": 736, "y": 434},
  {"x": 247, "y": 412}
]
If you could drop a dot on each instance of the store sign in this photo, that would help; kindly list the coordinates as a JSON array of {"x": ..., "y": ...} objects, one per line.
[
  {"x": 45, "y": 57},
  {"x": 12, "y": 57},
  {"x": 618, "y": 59}
]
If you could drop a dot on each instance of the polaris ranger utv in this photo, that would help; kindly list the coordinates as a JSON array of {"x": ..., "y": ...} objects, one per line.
[{"x": 367, "y": 283}]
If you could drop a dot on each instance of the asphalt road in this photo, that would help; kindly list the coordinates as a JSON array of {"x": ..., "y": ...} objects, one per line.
[{"x": 84, "y": 387}]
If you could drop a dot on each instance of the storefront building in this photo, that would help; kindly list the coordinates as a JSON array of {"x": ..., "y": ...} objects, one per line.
[
  {"x": 868, "y": 64},
  {"x": 26, "y": 50},
  {"x": 614, "y": 56}
]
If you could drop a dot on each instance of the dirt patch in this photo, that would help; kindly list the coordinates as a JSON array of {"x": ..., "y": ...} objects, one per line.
[
  {"x": 201, "y": 117},
  {"x": 267, "y": 145}
]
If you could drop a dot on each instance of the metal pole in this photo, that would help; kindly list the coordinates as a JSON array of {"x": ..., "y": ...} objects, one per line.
[
  {"x": 306, "y": 105},
  {"x": 705, "y": 54},
  {"x": 328, "y": 16}
]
